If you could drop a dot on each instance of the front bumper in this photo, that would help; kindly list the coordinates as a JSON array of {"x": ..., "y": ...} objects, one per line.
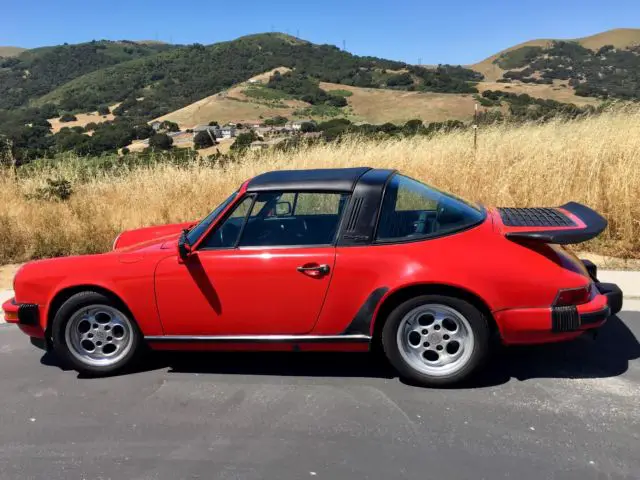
[
  {"x": 25, "y": 315},
  {"x": 554, "y": 324}
]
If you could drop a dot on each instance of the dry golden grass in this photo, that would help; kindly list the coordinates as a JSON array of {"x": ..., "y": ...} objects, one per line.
[
  {"x": 379, "y": 105},
  {"x": 555, "y": 92},
  {"x": 595, "y": 161},
  {"x": 83, "y": 119}
]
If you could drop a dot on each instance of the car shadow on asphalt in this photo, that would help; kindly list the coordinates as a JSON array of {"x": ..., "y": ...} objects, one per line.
[{"x": 608, "y": 355}]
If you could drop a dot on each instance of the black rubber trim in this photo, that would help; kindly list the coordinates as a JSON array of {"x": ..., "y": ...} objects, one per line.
[
  {"x": 318, "y": 180},
  {"x": 595, "y": 224},
  {"x": 595, "y": 317},
  {"x": 614, "y": 296},
  {"x": 29, "y": 314},
  {"x": 361, "y": 323},
  {"x": 565, "y": 319},
  {"x": 591, "y": 268}
]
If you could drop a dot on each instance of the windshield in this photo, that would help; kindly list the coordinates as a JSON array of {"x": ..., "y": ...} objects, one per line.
[{"x": 197, "y": 231}]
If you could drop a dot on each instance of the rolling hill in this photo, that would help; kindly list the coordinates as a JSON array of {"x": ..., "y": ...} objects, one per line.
[
  {"x": 235, "y": 81},
  {"x": 243, "y": 104},
  {"x": 7, "y": 51},
  {"x": 620, "y": 38}
]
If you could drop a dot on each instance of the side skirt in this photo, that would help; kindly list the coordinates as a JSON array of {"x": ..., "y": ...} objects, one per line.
[{"x": 350, "y": 343}]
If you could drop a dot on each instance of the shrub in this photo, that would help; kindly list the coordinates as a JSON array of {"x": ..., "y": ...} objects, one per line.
[
  {"x": 103, "y": 110},
  {"x": 203, "y": 140},
  {"x": 68, "y": 117},
  {"x": 55, "y": 190},
  {"x": 160, "y": 141}
]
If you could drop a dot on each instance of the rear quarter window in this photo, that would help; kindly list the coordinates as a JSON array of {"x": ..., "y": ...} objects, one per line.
[{"x": 412, "y": 210}]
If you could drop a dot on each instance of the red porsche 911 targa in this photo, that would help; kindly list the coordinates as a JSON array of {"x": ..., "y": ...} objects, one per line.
[{"x": 325, "y": 260}]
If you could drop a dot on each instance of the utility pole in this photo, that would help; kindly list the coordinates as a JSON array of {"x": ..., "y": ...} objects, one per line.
[
  {"x": 475, "y": 128},
  {"x": 420, "y": 61},
  {"x": 344, "y": 45}
]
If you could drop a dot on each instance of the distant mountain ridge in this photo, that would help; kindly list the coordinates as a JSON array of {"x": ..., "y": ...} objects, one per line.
[
  {"x": 618, "y": 37},
  {"x": 7, "y": 51}
]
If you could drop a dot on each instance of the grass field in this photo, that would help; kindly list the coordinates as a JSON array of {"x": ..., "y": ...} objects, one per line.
[{"x": 595, "y": 161}]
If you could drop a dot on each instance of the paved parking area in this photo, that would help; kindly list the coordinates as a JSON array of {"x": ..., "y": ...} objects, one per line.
[{"x": 560, "y": 411}]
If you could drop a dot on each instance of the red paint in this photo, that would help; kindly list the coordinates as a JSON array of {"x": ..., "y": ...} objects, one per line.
[{"x": 259, "y": 291}]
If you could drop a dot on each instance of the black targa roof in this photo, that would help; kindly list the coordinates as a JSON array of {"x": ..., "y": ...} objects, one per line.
[{"x": 324, "y": 179}]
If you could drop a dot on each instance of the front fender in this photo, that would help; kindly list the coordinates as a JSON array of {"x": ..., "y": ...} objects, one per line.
[{"x": 43, "y": 283}]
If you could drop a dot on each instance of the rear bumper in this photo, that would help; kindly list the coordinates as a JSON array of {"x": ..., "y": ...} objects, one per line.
[
  {"x": 555, "y": 324},
  {"x": 25, "y": 315}
]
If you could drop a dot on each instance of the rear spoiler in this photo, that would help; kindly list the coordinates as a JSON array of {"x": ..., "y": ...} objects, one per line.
[{"x": 570, "y": 223}]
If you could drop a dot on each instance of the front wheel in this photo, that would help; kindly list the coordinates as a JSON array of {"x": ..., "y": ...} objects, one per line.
[
  {"x": 94, "y": 335},
  {"x": 436, "y": 340}
]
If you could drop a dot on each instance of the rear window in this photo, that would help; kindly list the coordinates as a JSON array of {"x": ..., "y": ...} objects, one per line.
[{"x": 412, "y": 210}]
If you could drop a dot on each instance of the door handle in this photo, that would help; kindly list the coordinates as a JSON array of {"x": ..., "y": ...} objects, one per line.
[{"x": 315, "y": 270}]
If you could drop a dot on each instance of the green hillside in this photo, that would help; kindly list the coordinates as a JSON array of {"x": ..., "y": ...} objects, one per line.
[
  {"x": 36, "y": 72},
  {"x": 176, "y": 78}
]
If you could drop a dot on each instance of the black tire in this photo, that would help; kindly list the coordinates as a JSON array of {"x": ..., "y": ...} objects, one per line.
[
  {"x": 479, "y": 328},
  {"x": 64, "y": 314}
]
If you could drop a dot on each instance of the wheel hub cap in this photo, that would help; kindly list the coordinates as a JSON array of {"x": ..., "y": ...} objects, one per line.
[
  {"x": 435, "y": 339},
  {"x": 99, "y": 335}
]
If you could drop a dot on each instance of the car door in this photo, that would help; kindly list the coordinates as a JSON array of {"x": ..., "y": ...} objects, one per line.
[{"x": 264, "y": 270}]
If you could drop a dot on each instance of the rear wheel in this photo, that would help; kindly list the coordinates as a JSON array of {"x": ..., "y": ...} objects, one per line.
[
  {"x": 94, "y": 335},
  {"x": 436, "y": 340}
]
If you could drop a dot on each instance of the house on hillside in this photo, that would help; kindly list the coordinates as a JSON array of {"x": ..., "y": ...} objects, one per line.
[
  {"x": 214, "y": 130},
  {"x": 228, "y": 131},
  {"x": 297, "y": 125}
]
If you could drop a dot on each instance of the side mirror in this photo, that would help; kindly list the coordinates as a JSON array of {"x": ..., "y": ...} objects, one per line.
[
  {"x": 283, "y": 209},
  {"x": 184, "y": 249}
]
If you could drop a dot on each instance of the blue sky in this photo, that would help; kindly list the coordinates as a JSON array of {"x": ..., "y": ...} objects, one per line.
[{"x": 445, "y": 31}]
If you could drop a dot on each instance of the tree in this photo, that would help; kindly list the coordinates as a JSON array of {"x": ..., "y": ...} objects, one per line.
[
  {"x": 336, "y": 101},
  {"x": 244, "y": 140},
  {"x": 68, "y": 117},
  {"x": 203, "y": 139},
  {"x": 213, "y": 124},
  {"x": 160, "y": 141},
  {"x": 90, "y": 126},
  {"x": 308, "y": 127},
  {"x": 276, "y": 121},
  {"x": 143, "y": 131},
  {"x": 103, "y": 110},
  {"x": 169, "y": 126},
  {"x": 413, "y": 126}
]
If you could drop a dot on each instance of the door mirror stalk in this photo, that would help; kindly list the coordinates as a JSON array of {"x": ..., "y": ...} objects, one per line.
[{"x": 184, "y": 248}]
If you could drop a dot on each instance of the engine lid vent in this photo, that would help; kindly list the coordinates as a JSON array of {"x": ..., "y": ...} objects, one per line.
[{"x": 534, "y": 217}]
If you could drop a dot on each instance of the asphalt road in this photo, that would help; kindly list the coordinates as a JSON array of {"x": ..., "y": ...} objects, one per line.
[{"x": 561, "y": 411}]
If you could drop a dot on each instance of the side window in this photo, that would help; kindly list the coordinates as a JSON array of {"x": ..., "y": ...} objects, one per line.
[
  {"x": 293, "y": 219},
  {"x": 411, "y": 210},
  {"x": 226, "y": 235}
]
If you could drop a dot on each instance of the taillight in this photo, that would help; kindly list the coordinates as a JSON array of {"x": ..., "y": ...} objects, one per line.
[{"x": 574, "y": 296}]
